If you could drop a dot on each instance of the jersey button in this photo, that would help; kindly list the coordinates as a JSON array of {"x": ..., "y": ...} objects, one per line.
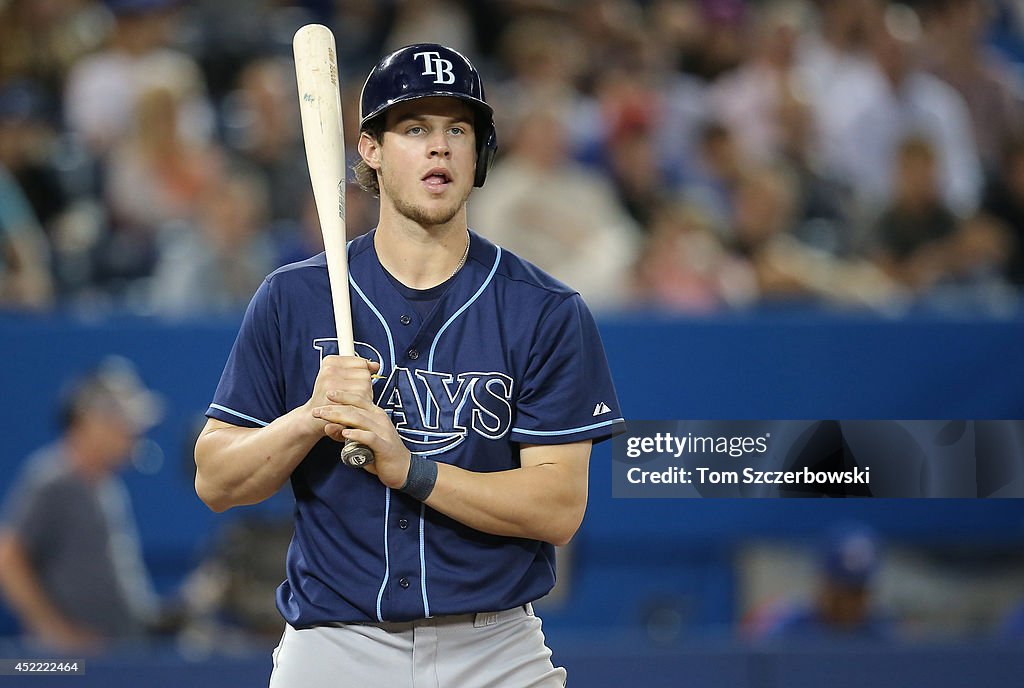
[
  {"x": 414, "y": 354},
  {"x": 405, "y": 320},
  {"x": 403, "y": 523},
  {"x": 404, "y": 582}
]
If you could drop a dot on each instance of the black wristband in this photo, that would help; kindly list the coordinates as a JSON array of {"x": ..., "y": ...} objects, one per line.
[{"x": 422, "y": 476}]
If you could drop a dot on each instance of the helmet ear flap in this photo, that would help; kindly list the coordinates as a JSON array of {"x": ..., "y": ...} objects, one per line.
[{"x": 485, "y": 156}]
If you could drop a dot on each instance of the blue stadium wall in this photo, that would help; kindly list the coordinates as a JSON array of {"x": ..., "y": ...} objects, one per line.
[{"x": 631, "y": 555}]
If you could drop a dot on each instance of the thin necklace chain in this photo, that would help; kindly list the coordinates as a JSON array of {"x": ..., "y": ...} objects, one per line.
[{"x": 462, "y": 261}]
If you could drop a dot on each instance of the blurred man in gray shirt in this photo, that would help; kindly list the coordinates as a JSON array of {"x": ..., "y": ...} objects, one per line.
[{"x": 70, "y": 561}]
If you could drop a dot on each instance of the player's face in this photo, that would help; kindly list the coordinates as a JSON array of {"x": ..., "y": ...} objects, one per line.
[{"x": 428, "y": 159}]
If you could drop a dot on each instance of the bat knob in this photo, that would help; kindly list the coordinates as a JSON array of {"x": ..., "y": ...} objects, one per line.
[{"x": 356, "y": 455}]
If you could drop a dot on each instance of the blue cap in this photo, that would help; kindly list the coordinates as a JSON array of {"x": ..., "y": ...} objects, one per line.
[{"x": 851, "y": 556}]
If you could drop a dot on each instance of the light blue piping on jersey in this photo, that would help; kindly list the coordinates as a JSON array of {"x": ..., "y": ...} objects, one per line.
[
  {"x": 474, "y": 297},
  {"x": 387, "y": 561},
  {"x": 387, "y": 491},
  {"x": 548, "y": 433},
  {"x": 383, "y": 322},
  {"x": 430, "y": 368},
  {"x": 423, "y": 562},
  {"x": 225, "y": 409}
]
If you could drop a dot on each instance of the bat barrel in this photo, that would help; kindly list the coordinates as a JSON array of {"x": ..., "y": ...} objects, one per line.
[{"x": 316, "y": 72}]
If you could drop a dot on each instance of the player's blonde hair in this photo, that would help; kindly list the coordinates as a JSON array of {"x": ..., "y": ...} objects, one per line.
[{"x": 366, "y": 176}]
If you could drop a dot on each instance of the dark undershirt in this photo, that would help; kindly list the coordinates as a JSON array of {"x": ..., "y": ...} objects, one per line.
[{"x": 423, "y": 300}]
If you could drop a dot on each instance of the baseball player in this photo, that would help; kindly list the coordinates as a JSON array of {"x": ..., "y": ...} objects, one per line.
[{"x": 480, "y": 384}]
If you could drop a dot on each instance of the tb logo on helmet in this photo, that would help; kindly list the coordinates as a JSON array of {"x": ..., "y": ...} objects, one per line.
[
  {"x": 426, "y": 70},
  {"x": 437, "y": 67}
]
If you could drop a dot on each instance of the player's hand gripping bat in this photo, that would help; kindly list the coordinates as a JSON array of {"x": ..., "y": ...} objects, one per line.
[{"x": 316, "y": 69}]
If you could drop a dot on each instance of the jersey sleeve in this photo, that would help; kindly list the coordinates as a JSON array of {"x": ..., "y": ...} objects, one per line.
[
  {"x": 251, "y": 391},
  {"x": 567, "y": 392}
]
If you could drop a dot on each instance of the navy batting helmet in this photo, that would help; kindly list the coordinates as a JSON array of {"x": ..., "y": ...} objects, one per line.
[{"x": 424, "y": 70}]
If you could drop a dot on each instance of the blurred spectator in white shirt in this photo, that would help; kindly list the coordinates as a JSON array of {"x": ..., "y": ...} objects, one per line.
[
  {"x": 989, "y": 84},
  {"x": 907, "y": 101},
  {"x": 835, "y": 66},
  {"x": 556, "y": 214},
  {"x": 102, "y": 88},
  {"x": 749, "y": 98}
]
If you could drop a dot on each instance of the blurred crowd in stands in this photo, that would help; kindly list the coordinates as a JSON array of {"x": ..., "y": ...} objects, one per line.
[{"x": 687, "y": 155}]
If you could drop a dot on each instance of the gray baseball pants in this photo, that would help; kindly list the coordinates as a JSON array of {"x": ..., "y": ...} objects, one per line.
[{"x": 490, "y": 650}]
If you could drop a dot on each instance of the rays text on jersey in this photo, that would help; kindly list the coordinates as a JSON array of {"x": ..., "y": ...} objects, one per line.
[{"x": 433, "y": 411}]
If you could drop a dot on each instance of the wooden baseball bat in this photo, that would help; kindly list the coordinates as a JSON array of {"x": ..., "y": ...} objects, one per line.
[{"x": 316, "y": 69}]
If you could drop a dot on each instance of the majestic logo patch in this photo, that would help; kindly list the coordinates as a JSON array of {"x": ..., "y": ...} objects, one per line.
[
  {"x": 434, "y": 411},
  {"x": 436, "y": 66}
]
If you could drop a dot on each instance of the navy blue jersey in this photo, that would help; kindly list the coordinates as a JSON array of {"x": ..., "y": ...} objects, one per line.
[{"x": 507, "y": 355}]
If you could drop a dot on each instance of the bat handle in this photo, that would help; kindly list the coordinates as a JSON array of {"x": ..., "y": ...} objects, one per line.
[{"x": 355, "y": 454}]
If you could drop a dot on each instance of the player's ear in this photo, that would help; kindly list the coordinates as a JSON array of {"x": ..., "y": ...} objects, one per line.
[{"x": 369, "y": 150}]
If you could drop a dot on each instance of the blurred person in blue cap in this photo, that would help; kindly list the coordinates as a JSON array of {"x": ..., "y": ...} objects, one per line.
[
  {"x": 842, "y": 607},
  {"x": 71, "y": 567}
]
